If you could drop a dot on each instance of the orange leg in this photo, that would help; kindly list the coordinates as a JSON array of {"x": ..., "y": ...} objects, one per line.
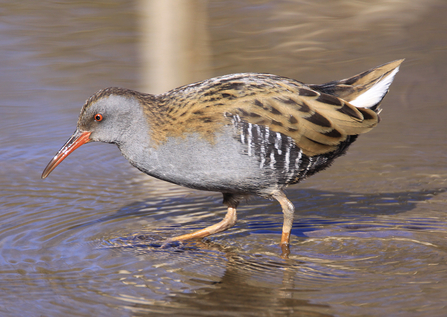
[
  {"x": 226, "y": 223},
  {"x": 288, "y": 210}
]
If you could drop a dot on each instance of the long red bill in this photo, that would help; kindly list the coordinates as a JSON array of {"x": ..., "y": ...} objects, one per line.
[{"x": 77, "y": 139}]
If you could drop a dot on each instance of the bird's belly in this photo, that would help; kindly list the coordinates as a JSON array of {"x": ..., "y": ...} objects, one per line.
[
  {"x": 218, "y": 165},
  {"x": 226, "y": 164}
]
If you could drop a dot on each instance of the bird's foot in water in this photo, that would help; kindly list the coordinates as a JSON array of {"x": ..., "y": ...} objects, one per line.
[
  {"x": 171, "y": 243},
  {"x": 285, "y": 250}
]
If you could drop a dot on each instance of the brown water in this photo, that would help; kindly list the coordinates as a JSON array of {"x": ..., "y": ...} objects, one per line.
[{"x": 370, "y": 235}]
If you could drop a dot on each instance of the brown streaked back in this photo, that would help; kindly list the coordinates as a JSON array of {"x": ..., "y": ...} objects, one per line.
[{"x": 317, "y": 122}]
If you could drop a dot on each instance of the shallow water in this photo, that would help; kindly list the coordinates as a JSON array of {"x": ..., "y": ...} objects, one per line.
[{"x": 370, "y": 233}]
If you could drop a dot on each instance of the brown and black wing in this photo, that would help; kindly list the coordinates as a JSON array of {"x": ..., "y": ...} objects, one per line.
[{"x": 316, "y": 122}]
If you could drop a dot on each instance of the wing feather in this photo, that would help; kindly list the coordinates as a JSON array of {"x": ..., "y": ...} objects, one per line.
[{"x": 317, "y": 122}]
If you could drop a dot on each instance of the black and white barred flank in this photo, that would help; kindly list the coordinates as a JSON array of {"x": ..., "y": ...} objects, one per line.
[{"x": 279, "y": 153}]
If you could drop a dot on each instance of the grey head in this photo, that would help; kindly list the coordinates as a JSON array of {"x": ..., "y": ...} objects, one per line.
[{"x": 112, "y": 115}]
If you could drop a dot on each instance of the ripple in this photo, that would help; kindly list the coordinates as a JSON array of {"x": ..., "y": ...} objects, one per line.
[{"x": 369, "y": 233}]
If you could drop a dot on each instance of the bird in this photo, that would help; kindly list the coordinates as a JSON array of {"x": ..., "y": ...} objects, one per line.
[{"x": 241, "y": 134}]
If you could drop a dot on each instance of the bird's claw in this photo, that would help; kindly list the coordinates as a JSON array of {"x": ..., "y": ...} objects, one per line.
[
  {"x": 285, "y": 250},
  {"x": 171, "y": 243}
]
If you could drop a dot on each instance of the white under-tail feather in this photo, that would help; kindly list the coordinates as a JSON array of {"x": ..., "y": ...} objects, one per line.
[{"x": 375, "y": 94}]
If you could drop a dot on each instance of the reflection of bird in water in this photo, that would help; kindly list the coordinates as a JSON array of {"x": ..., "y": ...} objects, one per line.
[
  {"x": 254, "y": 287},
  {"x": 240, "y": 134},
  {"x": 220, "y": 281}
]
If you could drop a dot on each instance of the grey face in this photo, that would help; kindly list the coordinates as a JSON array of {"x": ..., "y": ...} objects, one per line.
[{"x": 110, "y": 118}]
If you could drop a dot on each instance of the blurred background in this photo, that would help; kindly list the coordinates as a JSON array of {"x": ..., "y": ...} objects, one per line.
[{"x": 370, "y": 233}]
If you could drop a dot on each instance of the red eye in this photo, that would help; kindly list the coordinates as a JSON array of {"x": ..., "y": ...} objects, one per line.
[{"x": 98, "y": 117}]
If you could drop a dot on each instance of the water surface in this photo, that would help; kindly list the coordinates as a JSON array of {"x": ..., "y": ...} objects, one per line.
[{"x": 370, "y": 233}]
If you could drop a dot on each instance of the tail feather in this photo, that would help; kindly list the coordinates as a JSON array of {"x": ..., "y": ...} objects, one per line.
[{"x": 365, "y": 90}]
